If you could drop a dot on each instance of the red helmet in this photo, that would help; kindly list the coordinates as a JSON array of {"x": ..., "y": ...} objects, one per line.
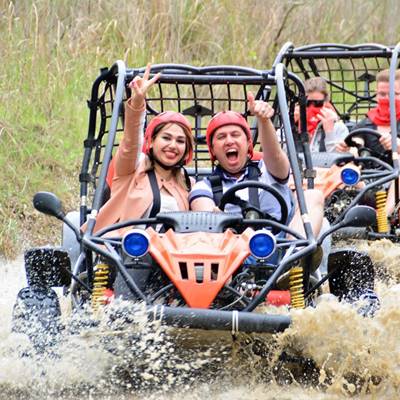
[
  {"x": 169, "y": 117},
  {"x": 227, "y": 118}
]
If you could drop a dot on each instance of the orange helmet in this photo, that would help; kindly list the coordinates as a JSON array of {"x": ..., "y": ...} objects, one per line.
[
  {"x": 169, "y": 117},
  {"x": 227, "y": 118}
]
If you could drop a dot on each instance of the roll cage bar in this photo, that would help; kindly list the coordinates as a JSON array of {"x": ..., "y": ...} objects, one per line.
[{"x": 197, "y": 92}]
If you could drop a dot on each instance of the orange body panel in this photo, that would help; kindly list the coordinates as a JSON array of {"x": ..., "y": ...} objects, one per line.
[{"x": 199, "y": 264}]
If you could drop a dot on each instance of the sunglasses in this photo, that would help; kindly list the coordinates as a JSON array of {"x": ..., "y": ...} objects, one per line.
[{"x": 315, "y": 103}]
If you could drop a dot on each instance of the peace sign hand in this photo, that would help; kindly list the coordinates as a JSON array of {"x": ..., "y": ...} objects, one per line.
[{"x": 140, "y": 86}]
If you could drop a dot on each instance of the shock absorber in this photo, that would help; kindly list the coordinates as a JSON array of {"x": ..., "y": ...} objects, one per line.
[
  {"x": 296, "y": 287},
  {"x": 100, "y": 281},
  {"x": 381, "y": 217}
]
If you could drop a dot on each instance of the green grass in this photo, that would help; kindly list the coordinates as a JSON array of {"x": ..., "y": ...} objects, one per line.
[{"x": 51, "y": 52}]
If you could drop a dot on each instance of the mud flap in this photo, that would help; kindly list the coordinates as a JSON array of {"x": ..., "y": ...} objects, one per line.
[
  {"x": 36, "y": 314},
  {"x": 351, "y": 274},
  {"x": 142, "y": 274},
  {"x": 141, "y": 278},
  {"x": 47, "y": 267}
]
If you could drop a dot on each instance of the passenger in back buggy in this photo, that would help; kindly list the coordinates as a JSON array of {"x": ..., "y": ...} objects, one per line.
[
  {"x": 323, "y": 123},
  {"x": 378, "y": 118}
]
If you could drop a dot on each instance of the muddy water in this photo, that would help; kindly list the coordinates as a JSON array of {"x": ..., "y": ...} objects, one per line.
[{"x": 353, "y": 357}]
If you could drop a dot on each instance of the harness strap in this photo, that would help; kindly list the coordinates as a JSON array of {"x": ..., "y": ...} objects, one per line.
[
  {"x": 254, "y": 174},
  {"x": 322, "y": 145},
  {"x": 187, "y": 179},
  {"x": 216, "y": 187},
  {"x": 156, "y": 194}
]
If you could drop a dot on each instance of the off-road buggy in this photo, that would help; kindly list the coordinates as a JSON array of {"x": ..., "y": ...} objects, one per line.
[
  {"x": 198, "y": 271},
  {"x": 349, "y": 71}
]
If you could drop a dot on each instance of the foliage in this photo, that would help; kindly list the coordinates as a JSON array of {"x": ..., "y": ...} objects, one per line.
[{"x": 51, "y": 51}]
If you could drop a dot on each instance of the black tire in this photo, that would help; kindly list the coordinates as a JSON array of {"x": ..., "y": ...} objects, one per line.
[{"x": 37, "y": 314}]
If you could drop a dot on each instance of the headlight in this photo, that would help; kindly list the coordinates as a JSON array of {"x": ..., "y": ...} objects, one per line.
[
  {"x": 262, "y": 244},
  {"x": 136, "y": 243},
  {"x": 350, "y": 176}
]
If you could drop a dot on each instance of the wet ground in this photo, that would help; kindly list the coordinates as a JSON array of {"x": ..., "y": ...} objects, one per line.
[{"x": 352, "y": 356}]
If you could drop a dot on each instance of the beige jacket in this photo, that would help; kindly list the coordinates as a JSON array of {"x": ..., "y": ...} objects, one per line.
[{"x": 131, "y": 193}]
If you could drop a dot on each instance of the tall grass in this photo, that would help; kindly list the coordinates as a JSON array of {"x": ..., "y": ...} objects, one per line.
[{"x": 51, "y": 51}]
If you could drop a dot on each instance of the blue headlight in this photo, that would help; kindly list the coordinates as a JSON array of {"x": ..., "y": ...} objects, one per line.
[
  {"x": 136, "y": 243},
  {"x": 350, "y": 176},
  {"x": 262, "y": 244}
]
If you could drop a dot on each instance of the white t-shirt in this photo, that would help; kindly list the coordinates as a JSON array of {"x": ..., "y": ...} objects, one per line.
[{"x": 168, "y": 204}]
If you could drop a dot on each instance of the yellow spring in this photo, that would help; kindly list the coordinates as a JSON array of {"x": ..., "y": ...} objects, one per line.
[
  {"x": 100, "y": 281},
  {"x": 296, "y": 287},
  {"x": 381, "y": 217}
]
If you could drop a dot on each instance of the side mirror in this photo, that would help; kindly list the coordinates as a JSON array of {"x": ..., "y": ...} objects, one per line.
[
  {"x": 358, "y": 217},
  {"x": 48, "y": 203}
]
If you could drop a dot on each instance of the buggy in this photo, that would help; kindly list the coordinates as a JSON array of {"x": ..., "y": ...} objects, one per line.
[
  {"x": 201, "y": 277},
  {"x": 349, "y": 71}
]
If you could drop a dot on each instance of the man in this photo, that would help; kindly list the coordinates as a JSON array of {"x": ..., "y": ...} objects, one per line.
[
  {"x": 378, "y": 118},
  {"x": 230, "y": 143}
]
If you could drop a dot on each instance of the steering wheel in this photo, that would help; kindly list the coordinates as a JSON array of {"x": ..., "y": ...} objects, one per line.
[
  {"x": 248, "y": 210},
  {"x": 363, "y": 133}
]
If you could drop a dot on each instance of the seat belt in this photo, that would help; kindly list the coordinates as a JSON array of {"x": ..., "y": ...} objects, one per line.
[
  {"x": 254, "y": 175},
  {"x": 322, "y": 144},
  {"x": 187, "y": 179},
  {"x": 156, "y": 194},
  {"x": 216, "y": 187}
]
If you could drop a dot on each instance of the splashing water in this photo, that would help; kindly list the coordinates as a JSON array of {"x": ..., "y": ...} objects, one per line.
[{"x": 346, "y": 355}]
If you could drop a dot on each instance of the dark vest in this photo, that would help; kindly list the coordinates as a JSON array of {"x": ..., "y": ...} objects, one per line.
[{"x": 253, "y": 175}]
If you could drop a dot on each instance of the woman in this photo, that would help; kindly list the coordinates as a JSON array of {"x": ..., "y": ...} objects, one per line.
[{"x": 144, "y": 184}]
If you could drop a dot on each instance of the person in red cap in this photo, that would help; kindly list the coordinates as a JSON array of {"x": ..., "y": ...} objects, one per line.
[
  {"x": 230, "y": 145},
  {"x": 148, "y": 175}
]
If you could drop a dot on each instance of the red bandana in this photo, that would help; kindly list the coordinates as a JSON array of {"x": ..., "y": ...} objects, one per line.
[
  {"x": 380, "y": 115},
  {"x": 312, "y": 117}
]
